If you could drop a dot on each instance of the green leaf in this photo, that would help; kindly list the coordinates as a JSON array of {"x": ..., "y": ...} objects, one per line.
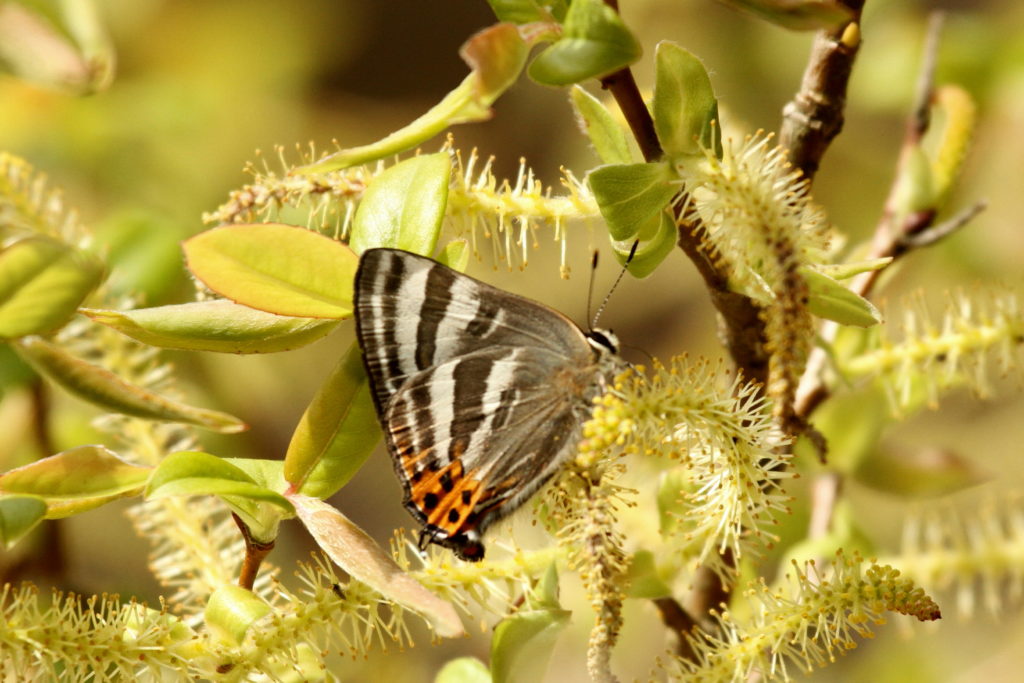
[
  {"x": 833, "y": 301},
  {"x": 853, "y": 423},
  {"x": 353, "y": 550},
  {"x": 843, "y": 271},
  {"x": 76, "y": 480},
  {"x": 629, "y": 195},
  {"x": 103, "y": 388},
  {"x": 644, "y": 580},
  {"x": 275, "y": 268},
  {"x": 193, "y": 473},
  {"x": 650, "y": 253},
  {"x": 337, "y": 432},
  {"x": 606, "y": 134},
  {"x": 403, "y": 206},
  {"x": 18, "y": 516},
  {"x": 220, "y": 326},
  {"x": 42, "y": 282},
  {"x": 231, "y": 611},
  {"x": 917, "y": 473},
  {"x": 684, "y": 104},
  {"x": 463, "y": 670},
  {"x": 595, "y": 42},
  {"x": 528, "y": 11},
  {"x": 798, "y": 15},
  {"x": 455, "y": 255},
  {"x": 948, "y": 138},
  {"x": 522, "y": 644},
  {"x": 496, "y": 56}
]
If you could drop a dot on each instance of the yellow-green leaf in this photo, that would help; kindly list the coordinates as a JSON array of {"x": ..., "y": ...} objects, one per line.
[
  {"x": 630, "y": 195},
  {"x": 650, "y": 253},
  {"x": 231, "y": 611},
  {"x": 684, "y": 106},
  {"x": 595, "y": 42},
  {"x": 606, "y": 134},
  {"x": 337, "y": 432},
  {"x": 522, "y": 644},
  {"x": 76, "y": 480},
  {"x": 276, "y": 268},
  {"x": 220, "y": 326},
  {"x": 103, "y": 388},
  {"x": 403, "y": 207},
  {"x": 42, "y": 282},
  {"x": 831, "y": 300},
  {"x": 18, "y": 516}
]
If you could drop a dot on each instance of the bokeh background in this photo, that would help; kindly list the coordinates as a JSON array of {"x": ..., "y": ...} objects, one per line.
[{"x": 202, "y": 85}]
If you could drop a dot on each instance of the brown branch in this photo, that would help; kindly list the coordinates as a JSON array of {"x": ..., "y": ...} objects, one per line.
[
  {"x": 679, "y": 621},
  {"x": 889, "y": 240},
  {"x": 814, "y": 117},
  {"x": 255, "y": 553},
  {"x": 915, "y": 230}
]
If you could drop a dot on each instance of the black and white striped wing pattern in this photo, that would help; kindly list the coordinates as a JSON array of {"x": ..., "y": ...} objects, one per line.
[{"x": 482, "y": 394}]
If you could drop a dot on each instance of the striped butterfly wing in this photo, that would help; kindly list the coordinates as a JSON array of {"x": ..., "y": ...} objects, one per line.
[
  {"x": 474, "y": 437},
  {"x": 413, "y": 313},
  {"x": 481, "y": 393}
]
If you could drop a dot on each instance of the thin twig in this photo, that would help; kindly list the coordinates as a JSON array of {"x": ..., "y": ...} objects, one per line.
[
  {"x": 255, "y": 553},
  {"x": 936, "y": 233},
  {"x": 679, "y": 621},
  {"x": 915, "y": 230},
  {"x": 815, "y": 115}
]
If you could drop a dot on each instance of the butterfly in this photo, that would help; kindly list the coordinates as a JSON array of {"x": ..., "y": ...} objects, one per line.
[{"x": 482, "y": 394}]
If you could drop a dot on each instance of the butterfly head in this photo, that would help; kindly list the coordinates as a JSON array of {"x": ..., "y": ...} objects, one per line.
[
  {"x": 603, "y": 341},
  {"x": 466, "y": 545}
]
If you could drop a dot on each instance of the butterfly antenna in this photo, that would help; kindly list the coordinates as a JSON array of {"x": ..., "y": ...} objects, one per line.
[
  {"x": 625, "y": 267},
  {"x": 590, "y": 289}
]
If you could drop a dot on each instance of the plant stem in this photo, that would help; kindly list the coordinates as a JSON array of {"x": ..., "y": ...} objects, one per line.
[
  {"x": 814, "y": 117},
  {"x": 255, "y": 553}
]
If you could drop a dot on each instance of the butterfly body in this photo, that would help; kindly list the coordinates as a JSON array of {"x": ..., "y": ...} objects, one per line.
[{"x": 482, "y": 394}]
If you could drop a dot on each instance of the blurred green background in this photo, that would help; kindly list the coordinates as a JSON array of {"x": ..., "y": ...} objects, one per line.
[{"x": 201, "y": 85}]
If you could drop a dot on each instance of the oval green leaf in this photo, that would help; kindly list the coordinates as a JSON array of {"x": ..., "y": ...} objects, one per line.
[
  {"x": 831, "y": 300},
  {"x": 231, "y": 611},
  {"x": 103, "y": 388},
  {"x": 684, "y": 104},
  {"x": 193, "y": 473},
  {"x": 337, "y": 432},
  {"x": 403, "y": 206},
  {"x": 606, "y": 135},
  {"x": 650, "y": 253},
  {"x": 276, "y": 268},
  {"x": 463, "y": 670},
  {"x": 629, "y": 195},
  {"x": 595, "y": 42},
  {"x": 644, "y": 580},
  {"x": 42, "y": 283},
  {"x": 76, "y": 480},
  {"x": 18, "y": 516},
  {"x": 220, "y": 326},
  {"x": 353, "y": 550},
  {"x": 522, "y": 644}
]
